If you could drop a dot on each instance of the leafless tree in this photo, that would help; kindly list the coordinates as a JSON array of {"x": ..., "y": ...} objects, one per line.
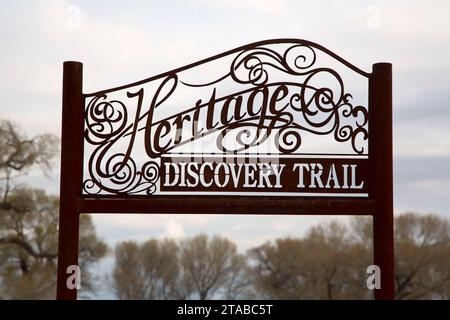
[
  {"x": 29, "y": 221},
  {"x": 212, "y": 268},
  {"x": 318, "y": 266},
  {"x": 146, "y": 271}
]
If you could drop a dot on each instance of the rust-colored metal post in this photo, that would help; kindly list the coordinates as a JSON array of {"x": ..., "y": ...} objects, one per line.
[
  {"x": 71, "y": 174},
  {"x": 380, "y": 155}
]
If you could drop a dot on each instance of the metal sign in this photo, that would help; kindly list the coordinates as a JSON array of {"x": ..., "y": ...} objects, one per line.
[{"x": 274, "y": 127}]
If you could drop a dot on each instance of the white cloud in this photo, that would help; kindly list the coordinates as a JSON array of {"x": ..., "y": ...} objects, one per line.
[
  {"x": 420, "y": 137},
  {"x": 173, "y": 229}
]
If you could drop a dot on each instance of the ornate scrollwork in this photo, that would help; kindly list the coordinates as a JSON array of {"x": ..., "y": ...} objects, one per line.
[
  {"x": 252, "y": 66},
  {"x": 116, "y": 173},
  {"x": 310, "y": 107},
  {"x": 104, "y": 119},
  {"x": 324, "y": 112}
]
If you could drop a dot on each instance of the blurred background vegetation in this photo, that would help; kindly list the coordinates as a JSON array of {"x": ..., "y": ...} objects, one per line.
[
  {"x": 328, "y": 262},
  {"x": 29, "y": 220}
]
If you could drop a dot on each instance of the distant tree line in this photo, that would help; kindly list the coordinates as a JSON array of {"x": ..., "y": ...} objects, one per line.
[{"x": 329, "y": 262}]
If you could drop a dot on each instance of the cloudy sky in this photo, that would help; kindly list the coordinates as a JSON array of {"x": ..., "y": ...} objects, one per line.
[{"x": 123, "y": 41}]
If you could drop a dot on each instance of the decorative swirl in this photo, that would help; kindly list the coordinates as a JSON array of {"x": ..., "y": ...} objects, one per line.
[
  {"x": 300, "y": 57},
  {"x": 150, "y": 173},
  {"x": 104, "y": 119},
  {"x": 288, "y": 140},
  {"x": 90, "y": 187}
]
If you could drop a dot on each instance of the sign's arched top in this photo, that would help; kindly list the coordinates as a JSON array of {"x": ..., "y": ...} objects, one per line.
[{"x": 259, "y": 44}]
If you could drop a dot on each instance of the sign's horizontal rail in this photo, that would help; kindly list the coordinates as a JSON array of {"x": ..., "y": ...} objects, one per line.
[
  {"x": 228, "y": 205},
  {"x": 278, "y": 194}
]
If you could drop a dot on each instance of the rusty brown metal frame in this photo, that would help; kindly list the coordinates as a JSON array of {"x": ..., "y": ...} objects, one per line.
[{"x": 379, "y": 204}]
